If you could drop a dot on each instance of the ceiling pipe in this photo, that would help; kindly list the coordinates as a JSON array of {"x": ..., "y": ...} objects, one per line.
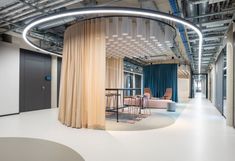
[
  {"x": 46, "y": 8},
  {"x": 207, "y": 38},
  {"x": 11, "y": 7},
  {"x": 190, "y": 9},
  {"x": 17, "y": 14},
  {"x": 207, "y": 45},
  {"x": 223, "y": 12},
  {"x": 56, "y": 23},
  {"x": 16, "y": 11},
  {"x": 205, "y": 34},
  {"x": 194, "y": 2},
  {"x": 210, "y": 29},
  {"x": 202, "y": 11},
  {"x": 108, "y": 3},
  {"x": 216, "y": 22},
  {"x": 71, "y": 19},
  {"x": 203, "y": 1}
]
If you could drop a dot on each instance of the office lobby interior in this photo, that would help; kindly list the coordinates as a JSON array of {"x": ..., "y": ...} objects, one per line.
[{"x": 117, "y": 80}]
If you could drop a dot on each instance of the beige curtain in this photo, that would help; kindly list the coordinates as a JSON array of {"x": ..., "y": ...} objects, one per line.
[
  {"x": 82, "y": 92},
  {"x": 114, "y": 79}
]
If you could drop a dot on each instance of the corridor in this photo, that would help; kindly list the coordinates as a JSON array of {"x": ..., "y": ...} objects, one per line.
[{"x": 199, "y": 134}]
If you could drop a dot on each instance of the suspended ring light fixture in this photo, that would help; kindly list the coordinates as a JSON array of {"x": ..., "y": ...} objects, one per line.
[{"x": 112, "y": 11}]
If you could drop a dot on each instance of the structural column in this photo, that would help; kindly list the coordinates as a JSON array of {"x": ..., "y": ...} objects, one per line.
[{"x": 230, "y": 77}]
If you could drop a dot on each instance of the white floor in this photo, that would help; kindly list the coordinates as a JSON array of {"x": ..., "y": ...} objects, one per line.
[{"x": 199, "y": 134}]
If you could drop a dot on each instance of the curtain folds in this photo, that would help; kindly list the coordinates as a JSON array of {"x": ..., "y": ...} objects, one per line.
[
  {"x": 114, "y": 79},
  {"x": 161, "y": 76},
  {"x": 82, "y": 90},
  {"x": 114, "y": 73}
]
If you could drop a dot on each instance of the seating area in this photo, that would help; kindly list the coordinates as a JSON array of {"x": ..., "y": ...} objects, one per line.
[{"x": 136, "y": 105}]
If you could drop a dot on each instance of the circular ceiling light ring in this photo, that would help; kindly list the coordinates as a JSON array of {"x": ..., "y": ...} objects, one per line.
[{"x": 113, "y": 10}]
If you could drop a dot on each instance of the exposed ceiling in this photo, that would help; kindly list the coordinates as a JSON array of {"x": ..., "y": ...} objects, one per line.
[{"x": 212, "y": 16}]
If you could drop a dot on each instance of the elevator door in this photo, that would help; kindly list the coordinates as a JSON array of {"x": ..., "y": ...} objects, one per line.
[{"x": 35, "y": 81}]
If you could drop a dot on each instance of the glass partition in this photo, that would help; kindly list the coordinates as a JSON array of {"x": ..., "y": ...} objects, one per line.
[{"x": 133, "y": 78}]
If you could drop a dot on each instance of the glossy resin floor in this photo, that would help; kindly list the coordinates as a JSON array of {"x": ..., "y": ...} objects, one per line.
[{"x": 199, "y": 134}]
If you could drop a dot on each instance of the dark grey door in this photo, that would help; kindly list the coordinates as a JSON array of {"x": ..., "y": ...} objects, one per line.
[{"x": 35, "y": 81}]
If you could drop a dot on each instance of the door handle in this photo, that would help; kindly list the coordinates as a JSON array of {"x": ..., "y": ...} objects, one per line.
[{"x": 43, "y": 87}]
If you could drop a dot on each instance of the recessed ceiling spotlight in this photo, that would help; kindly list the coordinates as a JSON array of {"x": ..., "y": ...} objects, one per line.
[{"x": 112, "y": 11}]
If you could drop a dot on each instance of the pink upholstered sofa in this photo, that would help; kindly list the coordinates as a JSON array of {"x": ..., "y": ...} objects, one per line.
[
  {"x": 156, "y": 103},
  {"x": 149, "y": 102},
  {"x": 152, "y": 102},
  {"x": 132, "y": 101}
]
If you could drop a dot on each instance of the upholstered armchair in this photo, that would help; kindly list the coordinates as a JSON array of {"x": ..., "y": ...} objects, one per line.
[{"x": 168, "y": 94}]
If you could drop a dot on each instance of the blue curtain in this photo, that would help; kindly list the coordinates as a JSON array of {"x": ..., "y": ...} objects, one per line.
[{"x": 159, "y": 77}]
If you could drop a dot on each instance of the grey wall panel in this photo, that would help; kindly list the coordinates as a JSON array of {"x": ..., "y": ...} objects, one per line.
[
  {"x": 219, "y": 82},
  {"x": 233, "y": 74}
]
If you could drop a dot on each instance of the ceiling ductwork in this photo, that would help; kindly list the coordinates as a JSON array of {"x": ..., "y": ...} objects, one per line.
[
  {"x": 14, "y": 15},
  {"x": 195, "y": 2},
  {"x": 213, "y": 17},
  {"x": 57, "y": 23}
]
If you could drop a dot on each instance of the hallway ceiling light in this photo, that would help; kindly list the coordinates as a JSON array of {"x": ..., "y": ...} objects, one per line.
[{"x": 113, "y": 10}]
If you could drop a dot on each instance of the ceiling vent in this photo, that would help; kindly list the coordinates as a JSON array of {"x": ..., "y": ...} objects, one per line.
[{"x": 7, "y": 38}]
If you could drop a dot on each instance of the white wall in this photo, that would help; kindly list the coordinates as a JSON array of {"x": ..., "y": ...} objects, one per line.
[
  {"x": 230, "y": 78},
  {"x": 209, "y": 85},
  {"x": 9, "y": 78},
  {"x": 183, "y": 89}
]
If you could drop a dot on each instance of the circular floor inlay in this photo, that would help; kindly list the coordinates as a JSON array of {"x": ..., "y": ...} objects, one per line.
[
  {"x": 29, "y": 149},
  {"x": 159, "y": 118}
]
